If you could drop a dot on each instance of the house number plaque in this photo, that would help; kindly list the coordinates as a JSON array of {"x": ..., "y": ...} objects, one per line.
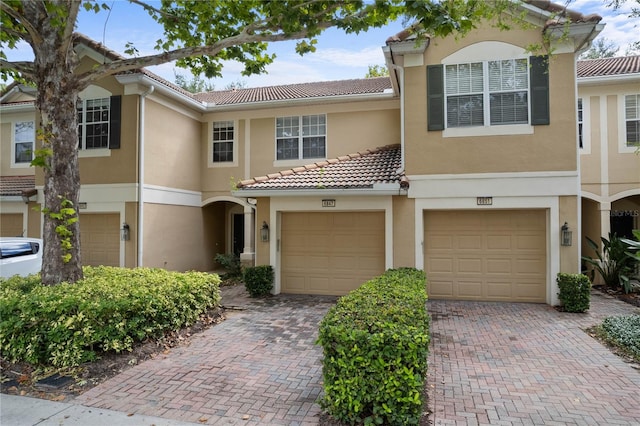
[
  {"x": 484, "y": 201},
  {"x": 328, "y": 203}
]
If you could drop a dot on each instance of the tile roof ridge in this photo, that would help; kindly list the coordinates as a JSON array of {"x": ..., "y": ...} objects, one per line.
[
  {"x": 317, "y": 165},
  {"x": 306, "y": 83}
]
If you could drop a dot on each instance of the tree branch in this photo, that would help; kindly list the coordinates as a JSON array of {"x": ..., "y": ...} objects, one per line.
[
  {"x": 35, "y": 37},
  {"x": 23, "y": 67},
  {"x": 173, "y": 55},
  {"x": 67, "y": 38}
]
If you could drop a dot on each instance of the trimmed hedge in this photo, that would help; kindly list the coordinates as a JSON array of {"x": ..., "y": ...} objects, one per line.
[
  {"x": 110, "y": 309},
  {"x": 375, "y": 342},
  {"x": 575, "y": 292},
  {"x": 258, "y": 280}
]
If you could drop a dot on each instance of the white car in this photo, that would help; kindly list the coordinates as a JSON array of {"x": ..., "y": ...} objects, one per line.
[{"x": 20, "y": 256}]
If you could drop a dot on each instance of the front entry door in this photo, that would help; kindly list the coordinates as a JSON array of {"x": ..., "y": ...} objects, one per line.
[{"x": 238, "y": 234}]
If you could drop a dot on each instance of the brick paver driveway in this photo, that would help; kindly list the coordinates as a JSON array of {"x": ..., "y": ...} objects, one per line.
[
  {"x": 259, "y": 367},
  {"x": 490, "y": 363},
  {"x": 507, "y": 363}
]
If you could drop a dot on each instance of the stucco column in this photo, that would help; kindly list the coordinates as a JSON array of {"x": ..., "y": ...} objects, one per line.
[
  {"x": 248, "y": 255},
  {"x": 605, "y": 219}
]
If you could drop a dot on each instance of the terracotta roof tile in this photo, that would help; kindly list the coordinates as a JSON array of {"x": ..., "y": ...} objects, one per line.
[
  {"x": 354, "y": 171},
  {"x": 14, "y": 185},
  {"x": 321, "y": 89},
  {"x": 609, "y": 66},
  {"x": 561, "y": 13}
]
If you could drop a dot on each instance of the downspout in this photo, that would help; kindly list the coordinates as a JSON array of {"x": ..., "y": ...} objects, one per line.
[
  {"x": 141, "y": 174},
  {"x": 400, "y": 71}
]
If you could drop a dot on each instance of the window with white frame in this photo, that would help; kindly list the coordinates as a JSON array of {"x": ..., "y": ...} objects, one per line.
[
  {"x": 487, "y": 93},
  {"x": 93, "y": 123},
  {"x": 580, "y": 119},
  {"x": 301, "y": 137},
  {"x": 24, "y": 135},
  {"x": 632, "y": 119},
  {"x": 222, "y": 141}
]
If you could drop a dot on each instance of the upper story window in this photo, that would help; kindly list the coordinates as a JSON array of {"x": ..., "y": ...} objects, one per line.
[
  {"x": 488, "y": 88},
  {"x": 24, "y": 135},
  {"x": 487, "y": 93},
  {"x": 99, "y": 123},
  {"x": 632, "y": 119},
  {"x": 222, "y": 141},
  {"x": 580, "y": 121},
  {"x": 93, "y": 123},
  {"x": 301, "y": 137}
]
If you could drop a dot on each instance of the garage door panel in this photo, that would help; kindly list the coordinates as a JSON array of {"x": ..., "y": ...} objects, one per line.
[
  {"x": 469, "y": 289},
  {"x": 499, "y": 242},
  {"x": 493, "y": 255},
  {"x": 469, "y": 266},
  {"x": 469, "y": 242},
  {"x": 440, "y": 288},
  {"x": 330, "y": 253},
  {"x": 100, "y": 239},
  {"x": 11, "y": 225}
]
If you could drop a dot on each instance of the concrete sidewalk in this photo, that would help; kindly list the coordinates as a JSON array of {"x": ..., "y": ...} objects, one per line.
[{"x": 25, "y": 411}]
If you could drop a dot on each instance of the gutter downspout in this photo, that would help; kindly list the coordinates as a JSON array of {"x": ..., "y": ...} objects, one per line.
[
  {"x": 141, "y": 175},
  {"x": 400, "y": 71}
]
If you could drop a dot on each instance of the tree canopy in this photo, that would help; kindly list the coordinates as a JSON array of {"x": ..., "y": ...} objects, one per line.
[{"x": 199, "y": 35}]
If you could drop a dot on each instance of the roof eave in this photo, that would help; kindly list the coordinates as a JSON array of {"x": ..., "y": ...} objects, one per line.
[
  {"x": 608, "y": 79},
  {"x": 211, "y": 107},
  {"x": 385, "y": 190},
  {"x": 140, "y": 78},
  {"x": 21, "y": 107}
]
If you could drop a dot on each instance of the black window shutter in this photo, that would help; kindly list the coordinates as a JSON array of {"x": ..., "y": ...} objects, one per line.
[
  {"x": 539, "y": 77},
  {"x": 435, "y": 97},
  {"x": 114, "y": 122}
]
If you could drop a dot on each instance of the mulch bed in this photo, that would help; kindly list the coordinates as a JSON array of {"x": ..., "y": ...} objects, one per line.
[{"x": 631, "y": 298}]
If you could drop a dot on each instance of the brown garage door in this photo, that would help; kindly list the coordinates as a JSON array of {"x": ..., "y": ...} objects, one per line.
[
  {"x": 100, "y": 239},
  {"x": 497, "y": 255},
  {"x": 11, "y": 225},
  {"x": 331, "y": 253}
]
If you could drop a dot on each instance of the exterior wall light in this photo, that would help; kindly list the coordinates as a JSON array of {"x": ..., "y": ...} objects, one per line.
[
  {"x": 124, "y": 232},
  {"x": 264, "y": 232},
  {"x": 566, "y": 235}
]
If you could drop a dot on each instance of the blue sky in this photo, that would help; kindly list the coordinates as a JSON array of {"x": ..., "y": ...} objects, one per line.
[{"x": 338, "y": 56}]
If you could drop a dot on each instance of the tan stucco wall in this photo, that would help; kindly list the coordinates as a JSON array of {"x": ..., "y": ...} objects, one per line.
[
  {"x": 404, "y": 234},
  {"x": 621, "y": 170},
  {"x": 568, "y": 212},
  {"x": 130, "y": 247},
  {"x": 6, "y": 127},
  {"x": 173, "y": 238},
  {"x": 263, "y": 251},
  {"x": 351, "y": 127},
  {"x": 549, "y": 148},
  {"x": 121, "y": 164},
  {"x": 172, "y": 148}
]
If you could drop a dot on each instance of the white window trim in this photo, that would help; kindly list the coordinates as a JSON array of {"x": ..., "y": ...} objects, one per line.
[
  {"x": 293, "y": 162},
  {"x": 484, "y": 52},
  {"x": 21, "y": 119},
  {"x": 94, "y": 153},
  {"x": 586, "y": 125},
  {"x": 210, "y": 162},
  {"x": 84, "y": 125},
  {"x": 623, "y": 148}
]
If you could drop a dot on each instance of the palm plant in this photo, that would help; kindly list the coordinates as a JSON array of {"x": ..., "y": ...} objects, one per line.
[{"x": 613, "y": 263}]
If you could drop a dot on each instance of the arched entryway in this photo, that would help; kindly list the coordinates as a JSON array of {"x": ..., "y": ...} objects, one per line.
[{"x": 229, "y": 228}]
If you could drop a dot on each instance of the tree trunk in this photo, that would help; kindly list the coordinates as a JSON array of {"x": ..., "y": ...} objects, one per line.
[{"x": 56, "y": 101}]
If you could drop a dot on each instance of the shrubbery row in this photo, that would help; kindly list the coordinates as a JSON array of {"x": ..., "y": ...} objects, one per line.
[
  {"x": 375, "y": 342},
  {"x": 68, "y": 324}
]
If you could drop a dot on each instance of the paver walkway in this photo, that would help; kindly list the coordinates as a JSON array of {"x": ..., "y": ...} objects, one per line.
[
  {"x": 527, "y": 364},
  {"x": 259, "y": 367}
]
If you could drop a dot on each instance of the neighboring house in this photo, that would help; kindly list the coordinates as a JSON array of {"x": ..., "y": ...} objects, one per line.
[
  {"x": 609, "y": 124},
  {"x": 464, "y": 163}
]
